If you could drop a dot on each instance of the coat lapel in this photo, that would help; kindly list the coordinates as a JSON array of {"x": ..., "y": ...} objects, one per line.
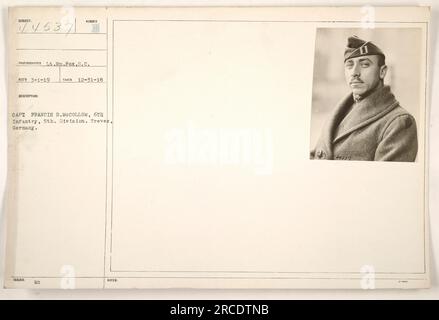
[
  {"x": 363, "y": 112},
  {"x": 331, "y": 124}
]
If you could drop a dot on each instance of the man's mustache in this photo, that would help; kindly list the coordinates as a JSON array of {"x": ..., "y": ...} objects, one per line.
[{"x": 355, "y": 80}]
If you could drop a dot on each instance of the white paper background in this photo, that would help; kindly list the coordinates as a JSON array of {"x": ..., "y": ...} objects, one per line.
[{"x": 230, "y": 294}]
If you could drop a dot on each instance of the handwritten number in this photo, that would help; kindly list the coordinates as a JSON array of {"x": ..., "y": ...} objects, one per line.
[
  {"x": 35, "y": 28},
  {"x": 23, "y": 27},
  {"x": 57, "y": 27},
  {"x": 70, "y": 28}
]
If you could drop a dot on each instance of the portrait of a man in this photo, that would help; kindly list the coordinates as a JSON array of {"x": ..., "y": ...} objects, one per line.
[{"x": 368, "y": 123}]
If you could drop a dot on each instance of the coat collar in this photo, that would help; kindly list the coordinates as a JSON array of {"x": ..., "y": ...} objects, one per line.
[{"x": 363, "y": 112}]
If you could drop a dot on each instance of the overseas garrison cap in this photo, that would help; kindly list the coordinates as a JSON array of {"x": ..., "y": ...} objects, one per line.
[{"x": 357, "y": 47}]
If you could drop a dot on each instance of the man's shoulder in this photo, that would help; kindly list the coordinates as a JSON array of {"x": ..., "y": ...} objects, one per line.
[
  {"x": 399, "y": 113},
  {"x": 399, "y": 117}
]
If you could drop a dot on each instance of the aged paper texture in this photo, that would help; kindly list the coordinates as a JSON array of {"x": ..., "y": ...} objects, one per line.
[{"x": 170, "y": 148}]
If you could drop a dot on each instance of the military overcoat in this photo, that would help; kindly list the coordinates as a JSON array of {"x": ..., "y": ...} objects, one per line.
[{"x": 375, "y": 128}]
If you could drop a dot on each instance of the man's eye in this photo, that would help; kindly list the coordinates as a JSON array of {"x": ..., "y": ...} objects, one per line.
[
  {"x": 365, "y": 65},
  {"x": 349, "y": 65}
]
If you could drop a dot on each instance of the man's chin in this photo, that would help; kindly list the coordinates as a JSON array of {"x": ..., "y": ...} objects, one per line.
[{"x": 358, "y": 92}]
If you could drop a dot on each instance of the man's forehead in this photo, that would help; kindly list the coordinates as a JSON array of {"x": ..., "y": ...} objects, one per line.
[{"x": 369, "y": 57}]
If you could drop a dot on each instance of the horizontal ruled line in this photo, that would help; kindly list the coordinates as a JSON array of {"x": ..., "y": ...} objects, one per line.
[
  {"x": 65, "y": 33},
  {"x": 217, "y": 277},
  {"x": 281, "y": 21},
  {"x": 41, "y": 65},
  {"x": 263, "y": 272},
  {"x": 60, "y": 82},
  {"x": 63, "y": 49}
]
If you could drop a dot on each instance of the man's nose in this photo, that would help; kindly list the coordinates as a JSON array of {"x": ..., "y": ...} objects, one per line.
[{"x": 355, "y": 71}]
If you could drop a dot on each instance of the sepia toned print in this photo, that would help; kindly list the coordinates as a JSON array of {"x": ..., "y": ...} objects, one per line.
[
  {"x": 369, "y": 123},
  {"x": 169, "y": 148}
]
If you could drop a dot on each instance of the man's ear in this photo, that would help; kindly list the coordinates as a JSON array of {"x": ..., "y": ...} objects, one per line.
[{"x": 383, "y": 71}]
